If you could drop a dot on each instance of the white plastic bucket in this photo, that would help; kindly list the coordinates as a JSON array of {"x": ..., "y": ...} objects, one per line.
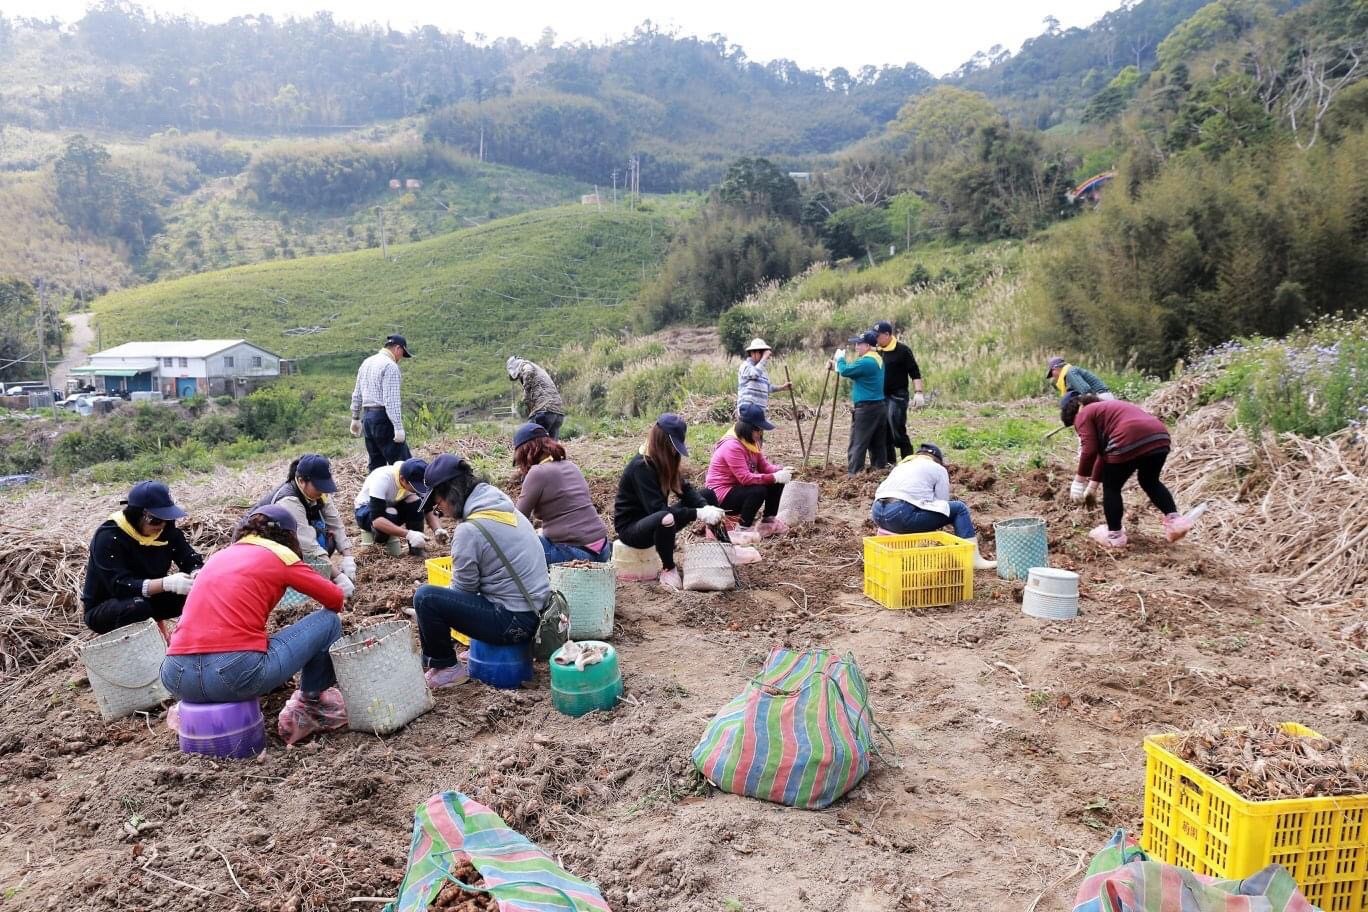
[
  {"x": 1046, "y": 607},
  {"x": 635, "y": 564},
  {"x": 1050, "y": 581}
]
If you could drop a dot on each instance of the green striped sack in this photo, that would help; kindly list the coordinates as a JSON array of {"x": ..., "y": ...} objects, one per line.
[
  {"x": 450, "y": 827},
  {"x": 801, "y": 733}
]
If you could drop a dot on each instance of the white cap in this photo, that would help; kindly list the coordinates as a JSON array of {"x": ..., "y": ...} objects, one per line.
[{"x": 758, "y": 344}]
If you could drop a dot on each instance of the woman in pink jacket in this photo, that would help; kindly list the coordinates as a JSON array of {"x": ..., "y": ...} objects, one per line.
[{"x": 744, "y": 480}]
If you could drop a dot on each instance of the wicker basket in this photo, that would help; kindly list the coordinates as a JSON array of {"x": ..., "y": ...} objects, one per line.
[
  {"x": 124, "y": 667},
  {"x": 591, "y": 593},
  {"x": 707, "y": 567},
  {"x": 798, "y": 503},
  {"x": 293, "y": 598},
  {"x": 380, "y": 674}
]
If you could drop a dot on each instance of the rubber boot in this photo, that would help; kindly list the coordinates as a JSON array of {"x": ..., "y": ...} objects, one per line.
[
  {"x": 367, "y": 538},
  {"x": 396, "y": 547},
  {"x": 979, "y": 562}
]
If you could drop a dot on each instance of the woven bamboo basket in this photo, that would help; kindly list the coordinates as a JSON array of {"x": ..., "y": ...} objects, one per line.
[
  {"x": 124, "y": 667},
  {"x": 591, "y": 593},
  {"x": 380, "y": 673},
  {"x": 707, "y": 567}
]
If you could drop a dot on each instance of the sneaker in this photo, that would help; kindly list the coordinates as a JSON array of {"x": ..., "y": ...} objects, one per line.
[
  {"x": 772, "y": 526},
  {"x": 743, "y": 535},
  {"x": 670, "y": 579},
  {"x": 1108, "y": 539},
  {"x": 450, "y": 676},
  {"x": 1176, "y": 526}
]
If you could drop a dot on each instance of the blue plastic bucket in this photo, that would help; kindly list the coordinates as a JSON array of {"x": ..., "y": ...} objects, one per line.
[
  {"x": 1021, "y": 545},
  {"x": 505, "y": 667}
]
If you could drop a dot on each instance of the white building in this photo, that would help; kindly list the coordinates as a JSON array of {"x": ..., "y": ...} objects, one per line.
[{"x": 205, "y": 367}]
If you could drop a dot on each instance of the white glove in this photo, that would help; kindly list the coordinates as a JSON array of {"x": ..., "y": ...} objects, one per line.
[
  {"x": 177, "y": 583},
  {"x": 356, "y": 427},
  {"x": 711, "y": 516},
  {"x": 400, "y": 436},
  {"x": 783, "y": 476},
  {"x": 348, "y": 566},
  {"x": 1078, "y": 489},
  {"x": 416, "y": 540},
  {"x": 442, "y": 535},
  {"x": 918, "y": 400},
  {"x": 840, "y": 355},
  {"x": 344, "y": 583}
]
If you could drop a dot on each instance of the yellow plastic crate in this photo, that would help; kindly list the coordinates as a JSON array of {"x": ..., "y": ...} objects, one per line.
[
  {"x": 1196, "y": 822},
  {"x": 439, "y": 574},
  {"x": 925, "y": 570}
]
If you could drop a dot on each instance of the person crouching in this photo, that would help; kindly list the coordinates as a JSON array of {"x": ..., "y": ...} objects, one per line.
[
  {"x": 915, "y": 497},
  {"x": 387, "y": 508},
  {"x": 744, "y": 481},
  {"x": 555, "y": 494}
]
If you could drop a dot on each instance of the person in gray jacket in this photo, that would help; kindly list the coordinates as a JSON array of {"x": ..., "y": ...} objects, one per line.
[{"x": 493, "y": 597}]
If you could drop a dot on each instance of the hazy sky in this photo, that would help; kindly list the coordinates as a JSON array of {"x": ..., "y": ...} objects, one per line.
[{"x": 937, "y": 34}]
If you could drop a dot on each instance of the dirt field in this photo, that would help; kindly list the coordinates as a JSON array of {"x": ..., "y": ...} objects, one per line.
[{"x": 1016, "y": 743}]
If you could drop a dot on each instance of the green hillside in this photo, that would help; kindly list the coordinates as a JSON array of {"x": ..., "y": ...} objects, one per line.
[{"x": 465, "y": 300}]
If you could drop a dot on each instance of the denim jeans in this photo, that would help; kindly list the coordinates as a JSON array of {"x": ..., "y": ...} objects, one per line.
[
  {"x": 902, "y": 518},
  {"x": 549, "y": 420},
  {"x": 380, "y": 445},
  {"x": 227, "y": 677},
  {"x": 560, "y": 554},
  {"x": 441, "y": 609},
  {"x": 405, "y": 514}
]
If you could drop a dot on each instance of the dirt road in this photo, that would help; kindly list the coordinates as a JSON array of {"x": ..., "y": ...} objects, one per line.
[{"x": 78, "y": 346}]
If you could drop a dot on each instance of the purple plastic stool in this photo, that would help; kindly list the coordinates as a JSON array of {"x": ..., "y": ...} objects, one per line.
[{"x": 229, "y": 731}]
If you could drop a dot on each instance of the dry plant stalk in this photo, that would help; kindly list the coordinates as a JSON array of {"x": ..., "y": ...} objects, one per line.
[{"x": 1265, "y": 763}]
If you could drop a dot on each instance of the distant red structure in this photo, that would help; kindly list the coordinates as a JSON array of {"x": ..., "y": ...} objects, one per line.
[{"x": 1091, "y": 189}]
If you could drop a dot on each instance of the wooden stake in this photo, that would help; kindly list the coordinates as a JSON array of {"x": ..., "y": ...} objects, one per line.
[
  {"x": 831, "y": 422},
  {"x": 796, "y": 419},
  {"x": 817, "y": 419}
]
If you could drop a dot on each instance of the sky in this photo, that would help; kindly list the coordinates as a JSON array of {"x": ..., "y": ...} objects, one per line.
[{"x": 936, "y": 34}]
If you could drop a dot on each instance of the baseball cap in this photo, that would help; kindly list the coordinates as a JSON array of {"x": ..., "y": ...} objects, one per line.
[
  {"x": 412, "y": 471},
  {"x": 868, "y": 337},
  {"x": 315, "y": 468},
  {"x": 754, "y": 415},
  {"x": 933, "y": 451},
  {"x": 442, "y": 469},
  {"x": 399, "y": 341},
  {"x": 278, "y": 515},
  {"x": 527, "y": 433},
  {"x": 677, "y": 428},
  {"x": 154, "y": 499},
  {"x": 758, "y": 344},
  {"x": 883, "y": 326},
  {"x": 1054, "y": 365}
]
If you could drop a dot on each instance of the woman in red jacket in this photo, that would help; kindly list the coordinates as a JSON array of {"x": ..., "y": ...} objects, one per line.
[
  {"x": 1117, "y": 440},
  {"x": 220, "y": 652}
]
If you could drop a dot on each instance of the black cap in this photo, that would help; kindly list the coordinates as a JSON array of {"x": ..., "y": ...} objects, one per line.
[
  {"x": 933, "y": 451},
  {"x": 315, "y": 468},
  {"x": 883, "y": 326},
  {"x": 677, "y": 428},
  {"x": 1064, "y": 402},
  {"x": 442, "y": 469},
  {"x": 154, "y": 499},
  {"x": 754, "y": 415},
  {"x": 868, "y": 338},
  {"x": 412, "y": 471},
  {"x": 399, "y": 341},
  {"x": 278, "y": 516}
]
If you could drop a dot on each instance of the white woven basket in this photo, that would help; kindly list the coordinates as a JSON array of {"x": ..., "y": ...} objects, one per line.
[
  {"x": 591, "y": 593},
  {"x": 380, "y": 673},
  {"x": 124, "y": 667},
  {"x": 293, "y": 598},
  {"x": 798, "y": 503},
  {"x": 707, "y": 567}
]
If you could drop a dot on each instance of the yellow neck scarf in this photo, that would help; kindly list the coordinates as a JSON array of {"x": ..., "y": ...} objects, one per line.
[
  {"x": 122, "y": 522},
  {"x": 745, "y": 443},
  {"x": 1061, "y": 377},
  {"x": 287, "y": 557},
  {"x": 892, "y": 344},
  {"x": 545, "y": 459},
  {"x": 502, "y": 516}
]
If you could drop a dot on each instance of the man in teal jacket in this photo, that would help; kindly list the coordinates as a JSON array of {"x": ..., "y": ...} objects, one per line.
[{"x": 868, "y": 429}]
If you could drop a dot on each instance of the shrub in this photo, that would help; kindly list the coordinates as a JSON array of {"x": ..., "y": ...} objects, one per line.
[
  {"x": 273, "y": 413},
  {"x": 89, "y": 445}
]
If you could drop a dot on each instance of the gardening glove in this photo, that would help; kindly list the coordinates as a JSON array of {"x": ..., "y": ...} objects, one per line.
[
  {"x": 710, "y": 516},
  {"x": 1078, "y": 489},
  {"x": 783, "y": 476},
  {"x": 400, "y": 436},
  {"x": 356, "y": 427},
  {"x": 416, "y": 539},
  {"x": 839, "y": 355},
  {"x": 177, "y": 583},
  {"x": 348, "y": 566},
  {"x": 918, "y": 400},
  {"x": 344, "y": 583},
  {"x": 442, "y": 535}
]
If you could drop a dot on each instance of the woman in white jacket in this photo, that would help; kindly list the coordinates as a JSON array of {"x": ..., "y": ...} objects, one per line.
[{"x": 915, "y": 497}]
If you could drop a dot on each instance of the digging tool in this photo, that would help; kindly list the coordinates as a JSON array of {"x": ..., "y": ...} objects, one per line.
[
  {"x": 1055, "y": 431},
  {"x": 831, "y": 422},
  {"x": 796, "y": 418},
  {"x": 816, "y": 419}
]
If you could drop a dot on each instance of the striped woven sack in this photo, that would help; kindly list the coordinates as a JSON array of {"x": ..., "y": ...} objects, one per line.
[
  {"x": 801, "y": 733},
  {"x": 448, "y": 828},
  {"x": 1123, "y": 878}
]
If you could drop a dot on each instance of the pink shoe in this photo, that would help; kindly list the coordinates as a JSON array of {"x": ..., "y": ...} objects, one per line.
[
  {"x": 670, "y": 579},
  {"x": 1108, "y": 539},
  {"x": 882, "y": 532},
  {"x": 450, "y": 676},
  {"x": 1176, "y": 526},
  {"x": 743, "y": 536},
  {"x": 773, "y": 526}
]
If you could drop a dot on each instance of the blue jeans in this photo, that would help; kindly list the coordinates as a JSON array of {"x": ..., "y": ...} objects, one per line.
[
  {"x": 561, "y": 554},
  {"x": 228, "y": 677},
  {"x": 441, "y": 609},
  {"x": 901, "y": 518}
]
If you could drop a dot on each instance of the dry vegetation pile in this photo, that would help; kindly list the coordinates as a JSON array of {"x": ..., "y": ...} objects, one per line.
[{"x": 1265, "y": 763}]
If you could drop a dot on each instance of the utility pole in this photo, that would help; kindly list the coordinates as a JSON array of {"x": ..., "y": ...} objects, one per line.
[
  {"x": 909, "y": 231},
  {"x": 42, "y": 332},
  {"x": 481, "y": 142},
  {"x": 615, "y": 174},
  {"x": 384, "y": 245},
  {"x": 80, "y": 277}
]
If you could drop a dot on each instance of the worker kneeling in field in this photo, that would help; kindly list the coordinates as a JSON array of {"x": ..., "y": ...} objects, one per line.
[
  {"x": 1117, "y": 440},
  {"x": 499, "y": 582},
  {"x": 744, "y": 481},
  {"x": 642, "y": 513},
  {"x": 1067, "y": 378},
  {"x": 555, "y": 494},
  {"x": 388, "y": 508},
  {"x": 915, "y": 497},
  {"x": 127, "y": 576},
  {"x": 305, "y": 495},
  {"x": 220, "y": 653}
]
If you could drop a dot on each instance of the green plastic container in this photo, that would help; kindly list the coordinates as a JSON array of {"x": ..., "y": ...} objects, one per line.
[{"x": 598, "y": 686}]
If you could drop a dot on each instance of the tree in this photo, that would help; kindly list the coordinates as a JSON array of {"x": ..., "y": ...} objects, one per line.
[
  {"x": 943, "y": 118},
  {"x": 18, "y": 328},
  {"x": 757, "y": 187}
]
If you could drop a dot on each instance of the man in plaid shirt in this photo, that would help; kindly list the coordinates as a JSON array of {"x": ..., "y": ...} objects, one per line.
[{"x": 375, "y": 405}]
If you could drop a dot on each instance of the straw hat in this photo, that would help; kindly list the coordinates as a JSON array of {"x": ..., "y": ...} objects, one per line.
[{"x": 758, "y": 344}]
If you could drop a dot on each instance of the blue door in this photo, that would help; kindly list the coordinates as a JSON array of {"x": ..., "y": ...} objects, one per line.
[{"x": 185, "y": 387}]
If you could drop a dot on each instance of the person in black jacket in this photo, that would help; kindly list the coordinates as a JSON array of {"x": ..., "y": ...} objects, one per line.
[
  {"x": 642, "y": 513},
  {"x": 900, "y": 366},
  {"x": 128, "y": 576}
]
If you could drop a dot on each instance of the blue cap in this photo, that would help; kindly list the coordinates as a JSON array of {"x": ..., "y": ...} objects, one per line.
[
  {"x": 399, "y": 341},
  {"x": 278, "y": 515},
  {"x": 527, "y": 433},
  {"x": 315, "y": 468},
  {"x": 932, "y": 450},
  {"x": 677, "y": 428},
  {"x": 1053, "y": 365},
  {"x": 1069, "y": 397},
  {"x": 442, "y": 469},
  {"x": 754, "y": 415},
  {"x": 412, "y": 471},
  {"x": 154, "y": 499},
  {"x": 883, "y": 326}
]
